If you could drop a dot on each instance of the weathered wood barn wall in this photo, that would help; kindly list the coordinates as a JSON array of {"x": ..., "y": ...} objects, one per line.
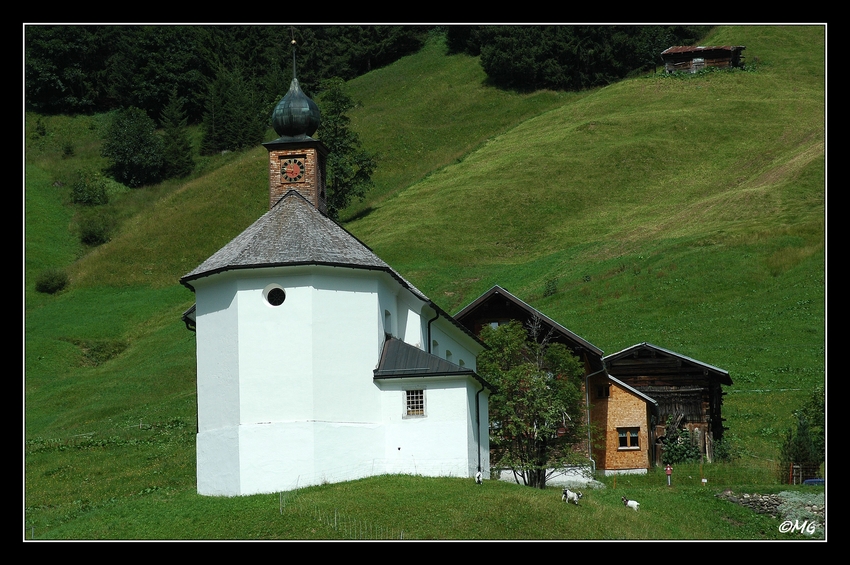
[
  {"x": 687, "y": 390},
  {"x": 693, "y": 59}
]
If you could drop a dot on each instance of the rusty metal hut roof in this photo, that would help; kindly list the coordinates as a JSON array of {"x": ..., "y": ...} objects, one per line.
[
  {"x": 692, "y": 59},
  {"x": 683, "y": 49}
]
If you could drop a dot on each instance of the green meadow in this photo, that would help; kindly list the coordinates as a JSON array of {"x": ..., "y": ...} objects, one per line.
[{"x": 688, "y": 212}]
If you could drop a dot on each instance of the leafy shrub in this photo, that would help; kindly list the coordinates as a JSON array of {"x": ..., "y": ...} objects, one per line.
[
  {"x": 679, "y": 446},
  {"x": 96, "y": 226},
  {"x": 134, "y": 148},
  {"x": 725, "y": 449},
  {"x": 40, "y": 128},
  {"x": 51, "y": 281},
  {"x": 89, "y": 189}
]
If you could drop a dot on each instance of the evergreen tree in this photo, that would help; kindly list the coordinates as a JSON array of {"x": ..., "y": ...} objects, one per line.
[
  {"x": 797, "y": 447},
  {"x": 235, "y": 116},
  {"x": 805, "y": 442},
  {"x": 814, "y": 411},
  {"x": 349, "y": 166},
  {"x": 177, "y": 148}
]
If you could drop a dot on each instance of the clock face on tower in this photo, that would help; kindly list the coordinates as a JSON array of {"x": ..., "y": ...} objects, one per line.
[{"x": 292, "y": 170}]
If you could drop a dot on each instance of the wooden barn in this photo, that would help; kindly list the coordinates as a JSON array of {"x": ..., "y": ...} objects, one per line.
[
  {"x": 693, "y": 59},
  {"x": 629, "y": 394},
  {"x": 498, "y": 306},
  {"x": 685, "y": 389}
]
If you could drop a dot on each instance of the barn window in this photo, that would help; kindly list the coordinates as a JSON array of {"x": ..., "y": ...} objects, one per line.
[
  {"x": 415, "y": 403},
  {"x": 629, "y": 438},
  {"x": 603, "y": 391}
]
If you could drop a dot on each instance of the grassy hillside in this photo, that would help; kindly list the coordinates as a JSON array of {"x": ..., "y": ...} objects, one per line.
[{"x": 684, "y": 212}]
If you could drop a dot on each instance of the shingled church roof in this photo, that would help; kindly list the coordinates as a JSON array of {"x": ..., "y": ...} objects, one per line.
[{"x": 293, "y": 232}]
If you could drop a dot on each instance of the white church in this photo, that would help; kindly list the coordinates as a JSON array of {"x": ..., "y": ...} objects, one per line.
[{"x": 317, "y": 362}]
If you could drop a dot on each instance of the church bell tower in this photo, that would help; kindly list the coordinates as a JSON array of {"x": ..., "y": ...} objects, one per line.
[{"x": 296, "y": 160}]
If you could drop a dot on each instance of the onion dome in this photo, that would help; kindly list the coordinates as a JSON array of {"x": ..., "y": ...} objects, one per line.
[{"x": 296, "y": 115}]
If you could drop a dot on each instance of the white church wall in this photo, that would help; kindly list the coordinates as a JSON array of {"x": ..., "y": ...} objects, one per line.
[
  {"x": 217, "y": 354},
  {"x": 306, "y": 406},
  {"x": 286, "y": 394},
  {"x": 275, "y": 349},
  {"x": 217, "y": 461},
  {"x": 445, "y": 337},
  {"x": 347, "y": 339},
  {"x": 409, "y": 321},
  {"x": 478, "y": 426},
  {"x": 436, "y": 444}
]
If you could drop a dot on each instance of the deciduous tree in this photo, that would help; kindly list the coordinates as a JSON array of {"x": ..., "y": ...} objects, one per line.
[
  {"x": 349, "y": 166},
  {"x": 134, "y": 148},
  {"x": 535, "y": 415}
]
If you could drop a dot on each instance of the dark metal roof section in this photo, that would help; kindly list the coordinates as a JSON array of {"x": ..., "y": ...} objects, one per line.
[
  {"x": 499, "y": 304},
  {"x": 634, "y": 360},
  {"x": 296, "y": 116},
  {"x": 401, "y": 360},
  {"x": 188, "y": 318}
]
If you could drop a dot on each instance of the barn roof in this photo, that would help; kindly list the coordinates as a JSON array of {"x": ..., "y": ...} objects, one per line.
[
  {"x": 642, "y": 351},
  {"x": 401, "y": 360},
  {"x": 633, "y": 390},
  {"x": 499, "y": 299}
]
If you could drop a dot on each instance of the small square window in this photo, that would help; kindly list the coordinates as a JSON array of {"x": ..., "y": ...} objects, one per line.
[
  {"x": 603, "y": 391},
  {"x": 629, "y": 438},
  {"x": 415, "y": 400}
]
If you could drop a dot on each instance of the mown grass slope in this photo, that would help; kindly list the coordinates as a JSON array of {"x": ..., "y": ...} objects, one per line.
[{"x": 684, "y": 212}]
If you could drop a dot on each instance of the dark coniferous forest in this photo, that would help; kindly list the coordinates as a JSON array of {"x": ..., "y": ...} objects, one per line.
[{"x": 84, "y": 69}]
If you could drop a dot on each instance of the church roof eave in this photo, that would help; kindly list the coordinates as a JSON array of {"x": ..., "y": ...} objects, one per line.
[{"x": 400, "y": 360}]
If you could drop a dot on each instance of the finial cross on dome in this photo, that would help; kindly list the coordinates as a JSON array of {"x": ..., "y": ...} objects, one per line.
[{"x": 295, "y": 116}]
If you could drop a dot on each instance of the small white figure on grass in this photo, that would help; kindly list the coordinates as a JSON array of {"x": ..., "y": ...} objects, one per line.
[
  {"x": 570, "y": 496},
  {"x": 631, "y": 503}
]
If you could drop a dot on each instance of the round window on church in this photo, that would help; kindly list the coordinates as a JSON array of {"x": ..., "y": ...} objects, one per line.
[{"x": 274, "y": 295}]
